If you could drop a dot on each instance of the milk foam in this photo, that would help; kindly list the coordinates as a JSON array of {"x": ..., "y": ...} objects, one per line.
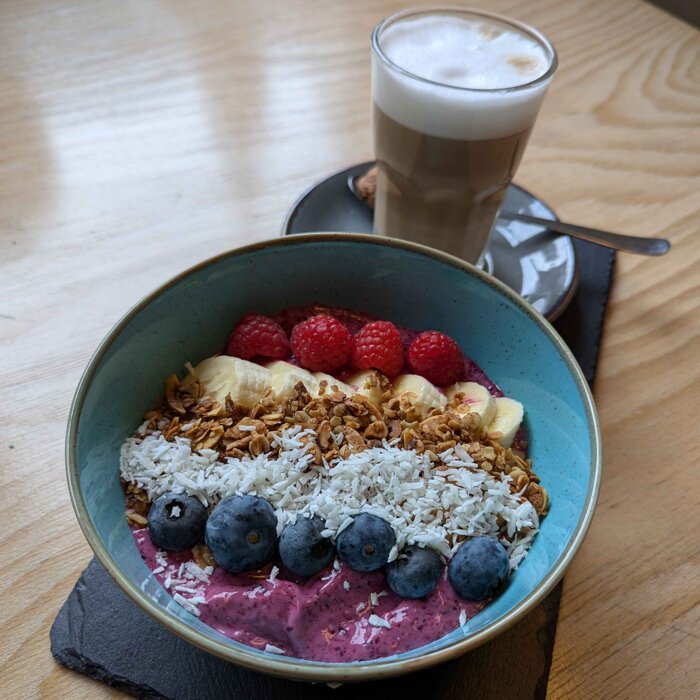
[{"x": 459, "y": 53}]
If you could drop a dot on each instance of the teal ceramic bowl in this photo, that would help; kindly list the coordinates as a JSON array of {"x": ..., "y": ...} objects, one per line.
[{"x": 188, "y": 319}]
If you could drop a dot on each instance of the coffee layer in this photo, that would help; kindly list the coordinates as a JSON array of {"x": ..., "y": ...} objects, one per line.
[{"x": 444, "y": 193}]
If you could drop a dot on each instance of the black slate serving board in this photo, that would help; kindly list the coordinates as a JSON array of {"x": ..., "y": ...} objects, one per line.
[{"x": 101, "y": 633}]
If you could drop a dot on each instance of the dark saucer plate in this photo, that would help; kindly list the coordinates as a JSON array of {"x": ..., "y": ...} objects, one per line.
[{"x": 541, "y": 266}]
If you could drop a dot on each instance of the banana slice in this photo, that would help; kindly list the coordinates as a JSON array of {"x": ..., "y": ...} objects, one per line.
[
  {"x": 285, "y": 376},
  {"x": 367, "y": 383},
  {"x": 223, "y": 375},
  {"x": 426, "y": 396},
  {"x": 509, "y": 416},
  {"x": 475, "y": 399},
  {"x": 332, "y": 381}
]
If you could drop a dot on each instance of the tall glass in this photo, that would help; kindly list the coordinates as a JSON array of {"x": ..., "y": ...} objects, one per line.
[{"x": 455, "y": 94}]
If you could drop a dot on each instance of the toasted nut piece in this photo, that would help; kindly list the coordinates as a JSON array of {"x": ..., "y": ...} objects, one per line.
[
  {"x": 259, "y": 444},
  {"x": 171, "y": 397},
  {"x": 364, "y": 402},
  {"x": 430, "y": 426},
  {"x": 136, "y": 520},
  {"x": 408, "y": 436},
  {"x": 203, "y": 556},
  {"x": 394, "y": 429},
  {"x": 520, "y": 479},
  {"x": 302, "y": 417},
  {"x": 272, "y": 418},
  {"x": 443, "y": 432},
  {"x": 173, "y": 428},
  {"x": 376, "y": 430},
  {"x": 441, "y": 447},
  {"x": 317, "y": 456},
  {"x": 537, "y": 495},
  {"x": 352, "y": 422},
  {"x": 355, "y": 440},
  {"x": 242, "y": 443},
  {"x": 235, "y": 452},
  {"x": 324, "y": 434}
]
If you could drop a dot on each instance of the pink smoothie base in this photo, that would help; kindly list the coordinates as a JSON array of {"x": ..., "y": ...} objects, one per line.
[{"x": 317, "y": 618}]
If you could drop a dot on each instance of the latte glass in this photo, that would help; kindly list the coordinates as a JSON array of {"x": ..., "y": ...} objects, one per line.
[{"x": 455, "y": 94}]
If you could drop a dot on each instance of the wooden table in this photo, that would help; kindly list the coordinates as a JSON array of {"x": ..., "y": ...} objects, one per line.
[{"x": 139, "y": 137}]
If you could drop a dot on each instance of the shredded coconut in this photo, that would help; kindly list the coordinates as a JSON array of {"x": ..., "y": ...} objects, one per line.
[
  {"x": 254, "y": 592},
  {"x": 377, "y": 621},
  {"x": 192, "y": 571},
  {"x": 187, "y": 604},
  {"x": 425, "y": 506},
  {"x": 272, "y": 649}
]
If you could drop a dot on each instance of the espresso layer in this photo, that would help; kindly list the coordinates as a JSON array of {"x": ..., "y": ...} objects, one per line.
[{"x": 441, "y": 192}]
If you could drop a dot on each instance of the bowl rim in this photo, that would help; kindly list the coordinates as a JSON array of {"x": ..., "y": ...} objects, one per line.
[{"x": 324, "y": 671}]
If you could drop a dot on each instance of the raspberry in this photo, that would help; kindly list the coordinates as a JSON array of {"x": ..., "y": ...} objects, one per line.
[
  {"x": 436, "y": 357},
  {"x": 321, "y": 343},
  {"x": 257, "y": 335},
  {"x": 378, "y": 344}
]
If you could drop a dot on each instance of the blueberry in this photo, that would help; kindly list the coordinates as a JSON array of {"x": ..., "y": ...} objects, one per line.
[
  {"x": 302, "y": 549},
  {"x": 176, "y": 521},
  {"x": 365, "y": 544},
  {"x": 479, "y": 568},
  {"x": 242, "y": 533},
  {"x": 415, "y": 573}
]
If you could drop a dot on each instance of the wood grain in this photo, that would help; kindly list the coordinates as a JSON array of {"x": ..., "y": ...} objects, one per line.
[{"x": 137, "y": 138}]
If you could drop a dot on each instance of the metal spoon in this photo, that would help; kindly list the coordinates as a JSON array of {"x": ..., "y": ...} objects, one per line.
[{"x": 618, "y": 241}]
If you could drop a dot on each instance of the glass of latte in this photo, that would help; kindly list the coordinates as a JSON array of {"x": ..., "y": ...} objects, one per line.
[{"x": 455, "y": 94}]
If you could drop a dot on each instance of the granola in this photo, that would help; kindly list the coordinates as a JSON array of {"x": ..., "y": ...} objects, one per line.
[{"x": 234, "y": 430}]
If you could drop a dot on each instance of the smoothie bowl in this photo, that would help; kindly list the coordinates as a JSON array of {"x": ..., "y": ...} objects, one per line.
[{"x": 334, "y": 457}]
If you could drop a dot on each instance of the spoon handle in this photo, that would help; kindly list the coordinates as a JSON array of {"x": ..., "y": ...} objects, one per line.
[{"x": 628, "y": 244}]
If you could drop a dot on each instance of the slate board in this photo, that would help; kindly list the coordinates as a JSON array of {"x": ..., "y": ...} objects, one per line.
[{"x": 101, "y": 633}]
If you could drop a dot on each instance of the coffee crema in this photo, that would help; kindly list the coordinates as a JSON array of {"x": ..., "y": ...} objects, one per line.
[{"x": 455, "y": 96}]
